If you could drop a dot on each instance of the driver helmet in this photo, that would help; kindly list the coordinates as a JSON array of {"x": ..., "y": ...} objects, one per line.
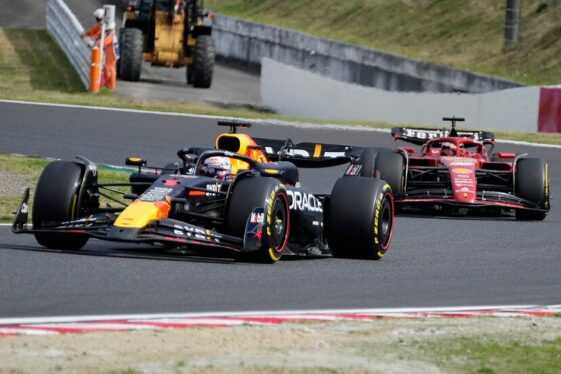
[
  {"x": 217, "y": 166},
  {"x": 98, "y": 14},
  {"x": 448, "y": 148}
]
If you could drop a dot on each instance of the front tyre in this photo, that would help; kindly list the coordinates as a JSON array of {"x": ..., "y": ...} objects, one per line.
[
  {"x": 360, "y": 218},
  {"x": 255, "y": 192},
  {"x": 56, "y": 200},
  {"x": 532, "y": 184}
]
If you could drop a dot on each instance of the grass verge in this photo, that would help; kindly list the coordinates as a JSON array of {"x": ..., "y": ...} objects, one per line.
[
  {"x": 463, "y": 34},
  {"x": 19, "y": 172},
  {"x": 33, "y": 68},
  {"x": 495, "y": 355},
  {"x": 418, "y": 345}
]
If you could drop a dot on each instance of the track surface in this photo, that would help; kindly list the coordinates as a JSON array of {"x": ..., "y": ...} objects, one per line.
[{"x": 433, "y": 262}]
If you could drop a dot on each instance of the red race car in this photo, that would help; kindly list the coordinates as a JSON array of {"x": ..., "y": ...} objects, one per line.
[{"x": 456, "y": 172}]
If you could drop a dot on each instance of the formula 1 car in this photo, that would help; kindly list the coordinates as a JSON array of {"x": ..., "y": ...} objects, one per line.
[
  {"x": 257, "y": 210},
  {"x": 456, "y": 172}
]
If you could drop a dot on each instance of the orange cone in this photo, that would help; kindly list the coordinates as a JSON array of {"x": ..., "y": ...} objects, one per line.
[{"x": 95, "y": 70}]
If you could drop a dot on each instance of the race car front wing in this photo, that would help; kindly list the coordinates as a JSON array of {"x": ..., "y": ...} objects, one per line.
[{"x": 167, "y": 230}]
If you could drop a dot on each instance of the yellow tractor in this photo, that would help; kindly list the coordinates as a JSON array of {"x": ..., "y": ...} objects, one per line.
[{"x": 172, "y": 33}]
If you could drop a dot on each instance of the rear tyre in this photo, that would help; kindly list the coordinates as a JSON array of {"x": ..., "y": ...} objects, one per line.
[
  {"x": 56, "y": 199},
  {"x": 131, "y": 54},
  {"x": 532, "y": 184},
  {"x": 389, "y": 164},
  {"x": 253, "y": 192},
  {"x": 360, "y": 218},
  {"x": 203, "y": 62}
]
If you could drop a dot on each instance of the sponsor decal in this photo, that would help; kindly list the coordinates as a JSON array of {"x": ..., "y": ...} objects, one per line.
[
  {"x": 424, "y": 134},
  {"x": 155, "y": 194},
  {"x": 304, "y": 201},
  {"x": 353, "y": 170},
  {"x": 257, "y": 218},
  {"x": 215, "y": 187},
  {"x": 461, "y": 163},
  {"x": 306, "y": 154},
  {"x": 194, "y": 232},
  {"x": 461, "y": 170}
]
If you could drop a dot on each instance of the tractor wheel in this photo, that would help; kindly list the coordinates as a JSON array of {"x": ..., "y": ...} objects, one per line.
[
  {"x": 56, "y": 199},
  {"x": 121, "y": 32},
  {"x": 360, "y": 218},
  {"x": 532, "y": 184},
  {"x": 203, "y": 62},
  {"x": 390, "y": 165},
  {"x": 131, "y": 54},
  {"x": 250, "y": 193}
]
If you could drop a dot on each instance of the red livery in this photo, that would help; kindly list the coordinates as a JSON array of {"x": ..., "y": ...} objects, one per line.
[{"x": 457, "y": 172}]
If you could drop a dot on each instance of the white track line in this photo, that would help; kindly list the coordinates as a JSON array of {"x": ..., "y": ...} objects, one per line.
[
  {"x": 272, "y": 314},
  {"x": 252, "y": 120}
]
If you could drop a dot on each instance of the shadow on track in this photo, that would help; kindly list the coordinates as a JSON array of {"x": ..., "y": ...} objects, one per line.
[
  {"x": 132, "y": 253},
  {"x": 215, "y": 257}
]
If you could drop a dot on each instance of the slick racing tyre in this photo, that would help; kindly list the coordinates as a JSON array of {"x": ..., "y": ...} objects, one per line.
[
  {"x": 130, "y": 63},
  {"x": 360, "y": 218},
  {"x": 532, "y": 184},
  {"x": 389, "y": 164},
  {"x": 253, "y": 192},
  {"x": 200, "y": 74},
  {"x": 56, "y": 199}
]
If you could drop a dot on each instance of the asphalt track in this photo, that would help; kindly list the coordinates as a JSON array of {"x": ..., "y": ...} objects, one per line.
[{"x": 433, "y": 262}]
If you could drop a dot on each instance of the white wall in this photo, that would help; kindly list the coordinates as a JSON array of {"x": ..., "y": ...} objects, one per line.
[{"x": 293, "y": 91}]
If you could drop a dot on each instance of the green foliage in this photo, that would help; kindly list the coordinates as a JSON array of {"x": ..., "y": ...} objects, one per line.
[
  {"x": 26, "y": 170},
  {"x": 464, "y": 34},
  {"x": 29, "y": 59},
  {"x": 495, "y": 355}
]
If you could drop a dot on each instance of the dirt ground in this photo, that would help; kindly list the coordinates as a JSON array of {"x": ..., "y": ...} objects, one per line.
[
  {"x": 378, "y": 346},
  {"x": 11, "y": 184}
]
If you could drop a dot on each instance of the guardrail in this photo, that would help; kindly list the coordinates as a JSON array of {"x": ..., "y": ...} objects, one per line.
[{"x": 65, "y": 29}]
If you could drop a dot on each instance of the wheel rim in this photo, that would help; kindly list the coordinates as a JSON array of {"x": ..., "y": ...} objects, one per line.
[{"x": 279, "y": 223}]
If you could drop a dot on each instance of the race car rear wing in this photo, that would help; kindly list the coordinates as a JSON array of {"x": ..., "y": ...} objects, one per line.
[
  {"x": 308, "y": 155},
  {"x": 420, "y": 136}
]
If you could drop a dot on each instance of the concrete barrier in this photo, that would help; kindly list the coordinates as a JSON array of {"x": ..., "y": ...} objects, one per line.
[
  {"x": 249, "y": 42},
  {"x": 298, "y": 92}
]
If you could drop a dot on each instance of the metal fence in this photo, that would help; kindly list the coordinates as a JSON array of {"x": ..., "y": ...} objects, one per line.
[{"x": 65, "y": 29}]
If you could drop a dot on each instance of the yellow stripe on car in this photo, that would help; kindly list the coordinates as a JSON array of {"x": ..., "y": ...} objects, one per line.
[
  {"x": 317, "y": 150},
  {"x": 140, "y": 213}
]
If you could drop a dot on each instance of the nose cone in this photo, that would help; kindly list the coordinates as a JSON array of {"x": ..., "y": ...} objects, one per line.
[{"x": 462, "y": 178}]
